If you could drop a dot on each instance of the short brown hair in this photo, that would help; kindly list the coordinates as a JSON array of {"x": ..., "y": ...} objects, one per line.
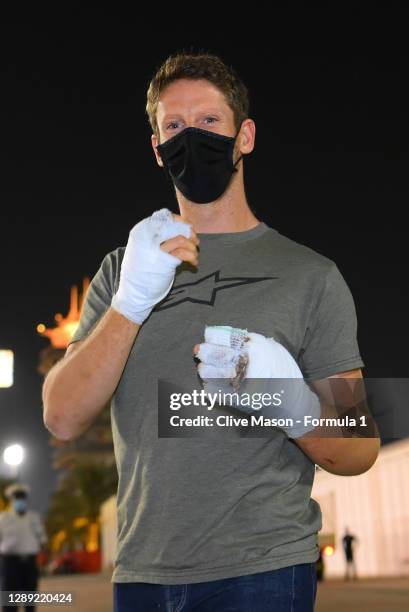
[{"x": 194, "y": 66}]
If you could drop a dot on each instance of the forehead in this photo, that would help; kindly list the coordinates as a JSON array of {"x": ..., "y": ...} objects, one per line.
[{"x": 185, "y": 96}]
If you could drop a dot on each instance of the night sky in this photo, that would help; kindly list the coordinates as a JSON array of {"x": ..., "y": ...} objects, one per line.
[{"x": 329, "y": 170}]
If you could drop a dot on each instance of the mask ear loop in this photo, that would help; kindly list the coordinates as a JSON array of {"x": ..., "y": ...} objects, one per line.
[{"x": 234, "y": 169}]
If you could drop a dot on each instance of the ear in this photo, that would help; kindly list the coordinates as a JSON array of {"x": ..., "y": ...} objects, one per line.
[
  {"x": 154, "y": 141},
  {"x": 247, "y": 136}
]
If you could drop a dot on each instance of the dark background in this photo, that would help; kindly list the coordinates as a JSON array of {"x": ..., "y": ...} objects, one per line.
[{"x": 329, "y": 170}]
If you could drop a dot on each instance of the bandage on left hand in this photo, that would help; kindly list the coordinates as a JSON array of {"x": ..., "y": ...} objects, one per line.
[{"x": 230, "y": 358}]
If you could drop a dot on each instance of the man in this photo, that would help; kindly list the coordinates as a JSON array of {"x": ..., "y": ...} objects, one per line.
[
  {"x": 22, "y": 535},
  {"x": 348, "y": 544},
  {"x": 217, "y": 522}
]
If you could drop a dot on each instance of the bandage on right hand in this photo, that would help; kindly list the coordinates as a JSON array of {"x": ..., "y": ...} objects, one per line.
[{"x": 148, "y": 272}]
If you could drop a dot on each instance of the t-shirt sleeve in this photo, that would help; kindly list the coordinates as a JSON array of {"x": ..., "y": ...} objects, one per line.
[
  {"x": 330, "y": 345},
  {"x": 98, "y": 297}
]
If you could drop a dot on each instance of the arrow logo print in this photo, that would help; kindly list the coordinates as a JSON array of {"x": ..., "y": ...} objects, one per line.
[{"x": 204, "y": 290}]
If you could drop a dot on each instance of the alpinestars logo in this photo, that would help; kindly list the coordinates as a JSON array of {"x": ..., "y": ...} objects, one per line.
[{"x": 204, "y": 290}]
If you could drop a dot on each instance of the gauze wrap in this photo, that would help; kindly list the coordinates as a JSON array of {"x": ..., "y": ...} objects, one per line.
[
  {"x": 147, "y": 272},
  {"x": 238, "y": 356}
]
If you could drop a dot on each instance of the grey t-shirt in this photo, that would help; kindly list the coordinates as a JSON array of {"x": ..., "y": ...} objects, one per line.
[{"x": 191, "y": 509}]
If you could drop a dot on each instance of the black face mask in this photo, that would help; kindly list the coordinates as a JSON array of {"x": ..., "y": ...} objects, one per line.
[{"x": 199, "y": 162}]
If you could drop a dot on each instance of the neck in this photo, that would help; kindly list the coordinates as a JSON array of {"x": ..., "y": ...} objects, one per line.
[{"x": 230, "y": 213}]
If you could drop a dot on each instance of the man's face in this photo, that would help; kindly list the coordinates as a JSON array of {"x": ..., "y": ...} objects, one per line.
[{"x": 192, "y": 103}]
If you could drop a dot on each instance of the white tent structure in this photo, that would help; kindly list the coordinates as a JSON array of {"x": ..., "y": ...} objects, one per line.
[
  {"x": 375, "y": 508},
  {"x": 108, "y": 520}
]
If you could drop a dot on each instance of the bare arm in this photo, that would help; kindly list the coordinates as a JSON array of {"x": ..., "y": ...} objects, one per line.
[
  {"x": 78, "y": 387},
  {"x": 342, "y": 456}
]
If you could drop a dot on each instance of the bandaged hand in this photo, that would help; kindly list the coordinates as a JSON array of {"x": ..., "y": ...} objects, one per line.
[
  {"x": 147, "y": 271},
  {"x": 230, "y": 358}
]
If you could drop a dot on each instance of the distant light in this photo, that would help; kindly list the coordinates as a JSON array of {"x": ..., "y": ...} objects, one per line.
[
  {"x": 14, "y": 454},
  {"x": 328, "y": 551},
  {"x": 80, "y": 522},
  {"x": 6, "y": 368},
  {"x": 92, "y": 544},
  {"x": 71, "y": 328},
  {"x": 61, "y": 335}
]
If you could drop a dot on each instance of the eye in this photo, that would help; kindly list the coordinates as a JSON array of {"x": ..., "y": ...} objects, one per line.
[
  {"x": 171, "y": 124},
  {"x": 212, "y": 119}
]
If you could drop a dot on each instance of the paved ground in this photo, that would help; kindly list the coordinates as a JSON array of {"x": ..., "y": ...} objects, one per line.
[
  {"x": 93, "y": 593},
  {"x": 374, "y": 595}
]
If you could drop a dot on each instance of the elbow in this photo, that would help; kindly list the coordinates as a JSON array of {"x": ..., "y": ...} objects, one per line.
[
  {"x": 371, "y": 455},
  {"x": 372, "y": 449},
  {"x": 58, "y": 419},
  {"x": 60, "y": 434},
  {"x": 54, "y": 417},
  {"x": 363, "y": 462},
  {"x": 56, "y": 426}
]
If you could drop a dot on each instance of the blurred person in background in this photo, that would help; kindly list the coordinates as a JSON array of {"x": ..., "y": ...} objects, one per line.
[
  {"x": 348, "y": 542},
  {"x": 22, "y": 536}
]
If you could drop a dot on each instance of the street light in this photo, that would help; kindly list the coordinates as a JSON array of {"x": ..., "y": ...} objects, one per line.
[
  {"x": 6, "y": 368},
  {"x": 13, "y": 456}
]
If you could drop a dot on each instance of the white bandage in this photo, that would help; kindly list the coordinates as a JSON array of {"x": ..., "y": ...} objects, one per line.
[
  {"x": 221, "y": 352},
  {"x": 236, "y": 355},
  {"x": 147, "y": 272}
]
